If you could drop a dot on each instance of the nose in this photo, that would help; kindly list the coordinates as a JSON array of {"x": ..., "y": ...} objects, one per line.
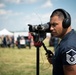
[{"x": 51, "y": 28}]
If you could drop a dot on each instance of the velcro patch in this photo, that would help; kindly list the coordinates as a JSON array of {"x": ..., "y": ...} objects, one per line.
[{"x": 71, "y": 56}]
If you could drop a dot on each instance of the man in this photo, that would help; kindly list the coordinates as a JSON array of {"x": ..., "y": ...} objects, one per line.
[{"x": 64, "y": 58}]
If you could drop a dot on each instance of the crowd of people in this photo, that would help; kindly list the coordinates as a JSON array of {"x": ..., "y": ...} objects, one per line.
[
  {"x": 7, "y": 41},
  {"x": 20, "y": 41},
  {"x": 23, "y": 42}
]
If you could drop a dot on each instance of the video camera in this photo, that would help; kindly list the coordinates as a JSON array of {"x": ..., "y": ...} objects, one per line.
[
  {"x": 39, "y": 28},
  {"x": 39, "y": 31}
]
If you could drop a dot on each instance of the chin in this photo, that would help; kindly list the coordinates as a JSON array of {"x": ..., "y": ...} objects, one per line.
[{"x": 54, "y": 34}]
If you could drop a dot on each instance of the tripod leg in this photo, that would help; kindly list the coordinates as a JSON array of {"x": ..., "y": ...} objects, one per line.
[{"x": 37, "y": 61}]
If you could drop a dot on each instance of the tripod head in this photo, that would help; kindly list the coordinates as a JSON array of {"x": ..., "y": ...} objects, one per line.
[
  {"x": 38, "y": 38},
  {"x": 38, "y": 42}
]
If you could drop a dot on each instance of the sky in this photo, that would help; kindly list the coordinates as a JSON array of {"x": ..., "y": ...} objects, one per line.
[{"x": 15, "y": 15}]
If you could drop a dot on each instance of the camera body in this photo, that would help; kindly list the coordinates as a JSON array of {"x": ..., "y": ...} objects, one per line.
[
  {"x": 39, "y": 28},
  {"x": 39, "y": 31}
]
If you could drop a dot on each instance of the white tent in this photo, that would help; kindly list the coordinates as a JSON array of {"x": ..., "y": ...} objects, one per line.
[
  {"x": 5, "y": 32},
  {"x": 16, "y": 34}
]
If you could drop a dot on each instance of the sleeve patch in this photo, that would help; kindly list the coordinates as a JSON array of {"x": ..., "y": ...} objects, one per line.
[{"x": 71, "y": 56}]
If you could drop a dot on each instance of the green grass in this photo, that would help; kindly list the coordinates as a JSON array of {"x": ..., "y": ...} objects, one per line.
[{"x": 14, "y": 61}]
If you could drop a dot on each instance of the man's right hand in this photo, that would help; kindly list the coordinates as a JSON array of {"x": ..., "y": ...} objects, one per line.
[{"x": 49, "y": 55}]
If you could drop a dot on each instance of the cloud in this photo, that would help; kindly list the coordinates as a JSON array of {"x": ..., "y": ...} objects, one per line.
[
  {"x": 47, "y": 4},
  {"x": 10, "y": 12},
  {"x": 30, "y": 1},
  {"x": 21, "y": 1},
  {"x": 4, "y": 12},
  {"x": 2, "y": 5}
]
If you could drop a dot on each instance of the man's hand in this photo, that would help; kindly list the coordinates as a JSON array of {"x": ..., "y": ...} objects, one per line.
[{"x": 49, "y": 55}]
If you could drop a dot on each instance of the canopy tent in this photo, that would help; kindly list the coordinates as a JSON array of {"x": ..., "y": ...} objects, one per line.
[
  {"x": 5, "y": 32},
  {"x": 16, "y": 34}
]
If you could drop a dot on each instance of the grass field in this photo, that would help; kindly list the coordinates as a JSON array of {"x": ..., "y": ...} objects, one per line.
[{"x": 14, "y": 61}]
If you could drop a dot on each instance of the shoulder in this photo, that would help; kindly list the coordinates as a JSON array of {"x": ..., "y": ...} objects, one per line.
[
  {"x": 68, "y": 49},
  {"x": 69, "y": 41}
]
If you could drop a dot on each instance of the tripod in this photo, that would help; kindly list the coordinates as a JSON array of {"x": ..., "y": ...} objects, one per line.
[
  {"x": 38, "y": 38},
  {"x": 37, "y": 55}
]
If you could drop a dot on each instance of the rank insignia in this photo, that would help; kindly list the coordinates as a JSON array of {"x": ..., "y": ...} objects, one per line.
[{"x": 71, "y": 56}]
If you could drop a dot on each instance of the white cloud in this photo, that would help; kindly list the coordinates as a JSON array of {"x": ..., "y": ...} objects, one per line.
[
  {"x": 21, "y": 1},
  {"x": 30, "y": 1},
  {"x": 47, "y": 4},
  {"x": 2, "y": 5},
  {"x": 13, "y": 1},
  {"x": 4, "y": 12},
  {"x": 10, "y": 12}
]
